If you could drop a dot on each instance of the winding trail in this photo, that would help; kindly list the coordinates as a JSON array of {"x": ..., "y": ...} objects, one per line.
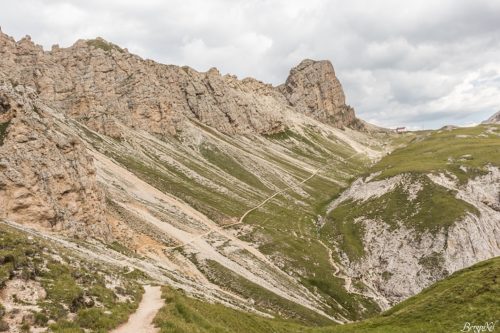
[
  {"x": 330, "y": 259},
  {"x": 274, "y": 195},
  {"x": 240, "y": 221},
  {"x": 142, "y": 320},
  {"x": 337, "y": 271},
  {"x": 242, "y": 218}
]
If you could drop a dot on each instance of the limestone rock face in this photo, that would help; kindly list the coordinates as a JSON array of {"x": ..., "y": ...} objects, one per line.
[
  {"x": 394, "y": 256},
  {"x": 312, "y": 88},
  {"x": 47, "y": 179},
  {"x": 105, "y": 87}
]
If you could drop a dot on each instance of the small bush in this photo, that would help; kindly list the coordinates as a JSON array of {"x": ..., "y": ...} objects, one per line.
[
  {"x": 41, "y": 319},
  {"x": 64, "y": 326},
  {"x": 3, "y": 131},
  {"x": 25, "y": 327},
  {"x": 93, "y": 318}
]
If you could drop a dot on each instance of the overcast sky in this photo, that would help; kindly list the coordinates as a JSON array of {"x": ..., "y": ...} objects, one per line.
[{"x": 421, "y": 64}]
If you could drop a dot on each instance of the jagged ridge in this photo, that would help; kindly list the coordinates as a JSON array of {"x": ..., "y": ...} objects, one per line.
[{"x": 101, "y": 84}]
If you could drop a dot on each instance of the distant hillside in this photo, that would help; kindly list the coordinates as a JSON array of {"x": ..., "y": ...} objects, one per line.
[{"x": 494, "y": 119}]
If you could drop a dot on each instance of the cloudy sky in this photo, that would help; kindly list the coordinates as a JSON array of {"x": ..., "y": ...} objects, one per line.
[{"x": 421, "y": 64}]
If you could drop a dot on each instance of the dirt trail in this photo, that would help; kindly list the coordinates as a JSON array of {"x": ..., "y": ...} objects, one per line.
[
  {"x": 240, "y": 221},
  {"x": 337, "y": 271},
  {"x": 284, "y": 190},
  {"x": 272, "y": 196},
  {"x": 142, "y": 319},
  {"x": 335, "y": 267}
]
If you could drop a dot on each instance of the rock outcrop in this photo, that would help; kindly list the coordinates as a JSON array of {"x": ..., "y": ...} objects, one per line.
[
  {"x": 313, "y": 89},
  {"x": 47, "y": 179},
  {"x": 104, "y": 86},
  {"x": 494, "y": 119},
  {"x": 394, "y": 256}
]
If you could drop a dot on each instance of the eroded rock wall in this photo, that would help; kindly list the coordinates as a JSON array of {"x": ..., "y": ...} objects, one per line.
[
  {"x": 103, "y": 86},
  {"x": 47, "y": 179}
]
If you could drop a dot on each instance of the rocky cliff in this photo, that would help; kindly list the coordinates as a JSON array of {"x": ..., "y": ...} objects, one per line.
[
  {"x": 313, "y": 89},
  {"x": 399, "y": 262},
  {"x": 102, "y": 85},
  {"x": 427, "y": 210},
  {"x": 47, "y": 179}
]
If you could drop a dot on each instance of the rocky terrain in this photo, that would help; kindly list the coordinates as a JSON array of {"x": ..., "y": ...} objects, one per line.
[
  {"x": 313, "y": 89},
  {"x": 48, "y": 179},
  {"x": 276, "y": 201},
  {"x": 102, "y": 85},
  {"x": 494, "y": 119},
  {"x": 394, "y": 255}
]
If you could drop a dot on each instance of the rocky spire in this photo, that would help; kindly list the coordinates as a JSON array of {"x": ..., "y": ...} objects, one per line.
[{"x": 312, "y": 88}]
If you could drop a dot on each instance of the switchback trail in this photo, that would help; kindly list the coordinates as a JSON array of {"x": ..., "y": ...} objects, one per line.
[{"x": 142, "y": 319}]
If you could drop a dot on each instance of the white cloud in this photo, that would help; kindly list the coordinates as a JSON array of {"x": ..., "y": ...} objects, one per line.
[{"x": 421, "y": 64}]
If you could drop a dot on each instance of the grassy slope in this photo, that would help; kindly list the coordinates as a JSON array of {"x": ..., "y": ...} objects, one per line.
[
  {"x": 263, "y": 299},
  {"x": 469, "y": 295},
  {"x": 435, "y": 207},
  {"x": 68, "y": 281},
  {"x": 285, "y": 226},
  {"x": 183, "y": 314},
  {"x": 445, "y": 150},
  {"x": 289, "y": 229}
]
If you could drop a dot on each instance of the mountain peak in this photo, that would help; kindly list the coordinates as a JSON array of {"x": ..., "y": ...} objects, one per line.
[
  {"x": 313, "y": 89},
  {"x": 316, "y": 63}
]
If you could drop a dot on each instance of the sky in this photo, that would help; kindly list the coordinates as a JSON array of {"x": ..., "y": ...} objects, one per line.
[{"x": 420, "y": 64}]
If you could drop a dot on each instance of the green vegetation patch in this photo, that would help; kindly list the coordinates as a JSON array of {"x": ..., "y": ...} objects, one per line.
[
  {"x": 228, "y": 164},
  {"x": 283, "y": 135},
  {"x": 264, "y": 299},
  {"x": 432, "y": 262},
  {"x": 182, "y": 314},
  {"x": 332, "y": 289},
  {"x": 77, "y": 296},
  {"x": 100, "y": 43},
  {"x": 3, "y": 325},
  {"x": 433, "y": 208},
  {"x": 3, "y": 131},
  {"x": 445, "y": 150}
]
